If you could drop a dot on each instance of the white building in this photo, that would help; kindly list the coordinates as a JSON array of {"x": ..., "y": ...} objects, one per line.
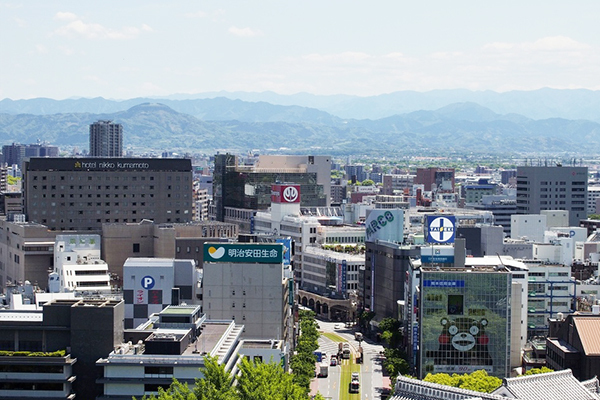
[
  {"x": 592, "y": 199},
  {"x": 175, "y": 344},
  {"x": 529, "y": 226},
  {"x": 324, "y": 269},
  {"x": 151, "y": 284},
  {"x": 249, "y": 283},
  {"x": 78, "y": 265},
  {"x": 551, "y": 290}
]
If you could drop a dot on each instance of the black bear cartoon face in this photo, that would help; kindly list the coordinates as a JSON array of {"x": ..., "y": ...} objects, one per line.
[
  {"x": 463, "y": 333},
  {"x": 463, "y": 341}
]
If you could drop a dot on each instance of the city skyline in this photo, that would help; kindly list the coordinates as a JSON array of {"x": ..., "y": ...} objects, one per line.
[{"x": 115, "y": 50}]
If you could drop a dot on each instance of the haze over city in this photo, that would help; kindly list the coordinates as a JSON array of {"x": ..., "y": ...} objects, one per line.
[{"x": 151, "y": 48}]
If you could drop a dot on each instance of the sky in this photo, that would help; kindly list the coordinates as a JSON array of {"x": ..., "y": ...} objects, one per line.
[{"x": 126, "y": 49}]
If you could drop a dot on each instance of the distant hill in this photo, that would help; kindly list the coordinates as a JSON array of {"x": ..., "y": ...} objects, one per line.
[
  {"x": 308, "y": 108},
  {"x": 454, "y": 128}
]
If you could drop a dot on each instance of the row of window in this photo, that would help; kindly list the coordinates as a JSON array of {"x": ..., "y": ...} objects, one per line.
[{"x": 107, "y": 177}]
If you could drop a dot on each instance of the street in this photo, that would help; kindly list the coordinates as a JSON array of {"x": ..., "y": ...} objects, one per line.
[{"x": 372, "y": 381}]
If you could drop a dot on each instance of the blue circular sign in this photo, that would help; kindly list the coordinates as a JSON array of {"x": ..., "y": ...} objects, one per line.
[{"x": 148, "y": 282}]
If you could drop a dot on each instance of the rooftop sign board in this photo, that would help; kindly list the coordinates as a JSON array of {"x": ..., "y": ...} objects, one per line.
[
  {"x": 109, "y": 164},
  {"x": 285, "y": 194},
  {"x": 440, "y": 229},
  {"x": 385, "y": 225},
  {"x": 264, "y": 253}
]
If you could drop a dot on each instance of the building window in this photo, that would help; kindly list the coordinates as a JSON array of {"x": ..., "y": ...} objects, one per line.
[{"x": 136, "y": 247}]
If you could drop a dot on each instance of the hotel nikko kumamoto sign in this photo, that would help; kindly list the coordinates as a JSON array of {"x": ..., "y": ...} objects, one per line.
[
  {"x": 440, "y": 229},
  {"x": 264, "y": 253}
]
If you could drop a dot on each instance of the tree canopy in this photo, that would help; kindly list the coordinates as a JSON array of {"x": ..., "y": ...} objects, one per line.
[
  {"x": 256, "y": 380},
  {"x": 478, "y": 381}
]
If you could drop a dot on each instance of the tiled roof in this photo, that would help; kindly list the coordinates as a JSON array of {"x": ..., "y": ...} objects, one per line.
[
  {"x": 592, "y": 385},
  {"x": 558, "y": 385},
  {"x": 588, "y": 328}
]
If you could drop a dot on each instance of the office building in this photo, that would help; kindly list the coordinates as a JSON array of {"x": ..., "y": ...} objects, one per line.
[
  {"x": 83, "y": 193},
  {"x": 435, "y": 179},
  {"x": 386, "y": 266},
  {"x": 173, "y": 344},
  {"x": 239, "y": 190},
  {"x": 593, "y": 206},
  {"x": 78, "y": 266},
  {"x": 41, "y": 149},
  {"x": 148, "y": 239},
  {"x": 13, "y": 154},
  {"x": 151, "y": 284},
  {"x": 502, "y": 207},
  {"x": 106, "y": 139},
  {"x": 355, "y": 173},
  {"x": 249, "y": 283},
  {"x": 397, "y": 184},
  {"x": 473, "y": 193},
  {"x": 26, "y": 252},
  {"x": 464, "y": 318},
  {"x": 85, "y": 330},
  {"x": 553, "y": 188}
]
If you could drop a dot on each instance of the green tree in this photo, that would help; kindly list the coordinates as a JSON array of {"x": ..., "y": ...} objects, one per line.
[
  {"x": 391, "y": 331},
  {"x": 11, "y": 180},
  {"x": 535, "y": 371},
  {"x": 267, "y": 381},
  {"x": 256, "y": 380},
  {"x": 177, "y": 391},
  {"x": 367, "y": 182},
  {"x": 303, "y": 362},
  {"x": 364, "y": 318},
  {"x": 478, "y": 381},
  {"x": 216, "y": 384}
]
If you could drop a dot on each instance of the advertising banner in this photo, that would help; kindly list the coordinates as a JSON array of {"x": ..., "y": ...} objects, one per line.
[
  {"x": 285, "y": 194},
  {"x": 287, "y": 250},
  {"x": 344, "y": 278},
  {"x": 440, "y": 229},
  {"x": 385, "y": 225},
  {"x": 264, "y": 253},
  {"x": 437, "y": 255}
]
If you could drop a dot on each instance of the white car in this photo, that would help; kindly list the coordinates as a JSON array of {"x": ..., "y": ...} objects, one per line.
[{"x": 337, "y": 326}]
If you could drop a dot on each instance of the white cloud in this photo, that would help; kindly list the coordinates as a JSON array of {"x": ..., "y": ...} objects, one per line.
[
  {"x": 245, "y": 32},
  {"x": 78, "y": 27},
  {"x": 197, "y": 14},
  {"x": 65, "y": 16},
  {"x": 67, "y": 51},
  {"x": 21, "y": 23},
  {"x": 41, "y": 49},
  {"x": 558, "y": 62}
]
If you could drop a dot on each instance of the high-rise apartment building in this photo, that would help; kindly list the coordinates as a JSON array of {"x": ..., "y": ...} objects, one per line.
[
  {"x": 553, "y": 188},
  {"x": 106, "y": 139},
  {"x": 13, "y": 154}
]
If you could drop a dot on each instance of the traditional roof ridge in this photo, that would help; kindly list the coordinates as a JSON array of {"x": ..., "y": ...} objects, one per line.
[
  {"x": 540, "y": 377},
  {"x": 548, "y": 386},
  {"x": 418, "y": 387}
]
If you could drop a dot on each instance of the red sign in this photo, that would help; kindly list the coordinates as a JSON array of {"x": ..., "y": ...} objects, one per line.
[{"x": 285, "y": 194}]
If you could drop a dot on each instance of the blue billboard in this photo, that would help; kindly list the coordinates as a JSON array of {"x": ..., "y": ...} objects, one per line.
[{"x": 440, "y": 229}]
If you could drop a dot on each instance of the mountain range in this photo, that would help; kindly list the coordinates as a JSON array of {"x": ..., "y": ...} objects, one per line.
[{"x": 232, "y": 124}]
